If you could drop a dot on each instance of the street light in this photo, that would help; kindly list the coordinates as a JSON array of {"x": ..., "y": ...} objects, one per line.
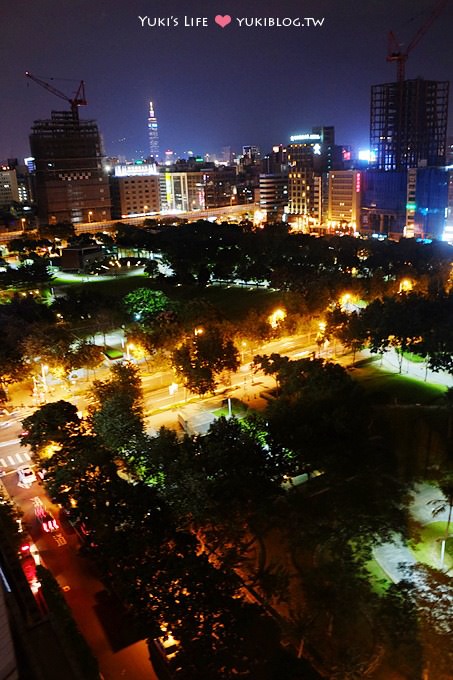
[
  {"x": 243, "y": 346},
  {"x": 406, "y": 286},
  {"x": 172, "y": 389},
  {"x": 90, "y": 214},
  {"x": 345, "y": 299},
  {"x": 44, "y": 370},
  {"x": 321, "y": 340},
  {"x": 277, "y": 316}
]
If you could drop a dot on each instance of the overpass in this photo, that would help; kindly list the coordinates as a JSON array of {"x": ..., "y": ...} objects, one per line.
[
  {"x": 191, "y": 215},
  {"x": 108, "y": 225}
]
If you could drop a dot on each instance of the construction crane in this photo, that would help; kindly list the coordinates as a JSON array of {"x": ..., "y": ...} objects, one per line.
[
  {"x": 76, "y": 101},
  {"x": 394, "y": 47}
]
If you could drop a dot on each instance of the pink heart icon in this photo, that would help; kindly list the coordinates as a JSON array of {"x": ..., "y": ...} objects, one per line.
[{"x": 223, "y": 21}]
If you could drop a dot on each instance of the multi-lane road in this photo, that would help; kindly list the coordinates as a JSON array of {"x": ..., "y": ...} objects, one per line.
[
  {"x": 95, "y": 612},
  {"x": 98, "y": 616}
]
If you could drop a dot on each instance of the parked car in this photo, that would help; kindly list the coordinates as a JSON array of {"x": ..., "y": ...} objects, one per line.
[{"x": 26, "y": 475}]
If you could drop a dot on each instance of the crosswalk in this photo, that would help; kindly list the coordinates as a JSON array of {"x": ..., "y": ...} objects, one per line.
[{"x": 15, "y": 459}]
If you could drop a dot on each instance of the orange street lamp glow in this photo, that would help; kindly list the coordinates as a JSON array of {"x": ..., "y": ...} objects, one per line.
[
  {"x": 276, "y": 317},
  {"x": 345, "y": 299},
  {"x": 406, "y": 286}
]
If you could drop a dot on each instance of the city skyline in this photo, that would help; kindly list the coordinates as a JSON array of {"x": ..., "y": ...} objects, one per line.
[{"x": 213, "y": 87}]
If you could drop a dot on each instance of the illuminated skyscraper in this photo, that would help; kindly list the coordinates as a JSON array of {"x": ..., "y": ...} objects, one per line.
[{"x": 153, "y": 133}]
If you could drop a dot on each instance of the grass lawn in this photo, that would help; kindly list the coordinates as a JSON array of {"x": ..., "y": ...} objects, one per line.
[
  {"x": 428, "y": 549},
  {"x": 384, "y": 387},
  {"x": 238, "y": 409},
  {"x": 115, "y": 286},
  {"x": 112, "y": 353},
  {"x": 233, "y": 302},
  {"x": 378, "y": 578},
  {"x": 415, "y": 358}
]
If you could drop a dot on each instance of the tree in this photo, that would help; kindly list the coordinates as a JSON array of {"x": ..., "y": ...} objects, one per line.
[
  {"x": 348, "y": 328},
  {"x": 50, "y": 345},
  {"x": 424, "y": 598},
  {"x": 446, "y": 503},
  {"x": 199, "y": 360},
  {"x": 86, "y": 355},
  {"x": 117, "y": 415},
  {"x": 152, "y": 269},
  {"x": 144, "y": 304},
  {"x": 61, "y": 231},
  {"x": 35, "y": 272},
  {"x": 51, "y": 423},
  {"x": 312, "y": 415}
]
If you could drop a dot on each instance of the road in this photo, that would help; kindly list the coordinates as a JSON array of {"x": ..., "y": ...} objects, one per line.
[
  {"x": 12, "y": 455},
  {"x": 95, "y": 613},
  {"x": 97, "y": 616}
]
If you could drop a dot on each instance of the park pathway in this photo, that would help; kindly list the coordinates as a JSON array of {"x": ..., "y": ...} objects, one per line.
[{"x": 393, "y": 556}]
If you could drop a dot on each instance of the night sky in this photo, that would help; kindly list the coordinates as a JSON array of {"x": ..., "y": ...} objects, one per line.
[{"x": 212, "y": 87}]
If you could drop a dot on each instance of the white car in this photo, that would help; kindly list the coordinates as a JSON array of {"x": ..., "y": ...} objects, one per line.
[{"x": 25, "y": 475}]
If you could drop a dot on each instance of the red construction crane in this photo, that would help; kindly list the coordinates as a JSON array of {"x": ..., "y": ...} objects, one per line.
[
  {"x": 75, "y": 102},
  {"x": 394, "y": 47}
]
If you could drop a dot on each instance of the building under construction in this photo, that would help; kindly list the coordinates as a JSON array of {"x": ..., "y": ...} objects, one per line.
[
  {"x": 408, "y": 126},
  {"x": 70, "y": 182}
]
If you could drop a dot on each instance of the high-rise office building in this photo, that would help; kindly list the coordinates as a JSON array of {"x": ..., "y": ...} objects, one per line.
[
  {"x": 70, "y": 182},
  {"x": 9, "y": 190},
  {"x": 273, "y": 195},
  {"x": 408, "y": 126},
  {"x": 135, "y": 190},
  {"x": 384, "y": 197},
  {"x": 344, "y": 199},
  {"x": 153, "y": 133},
  {"x": 310, "y": 156},
  {"x": 182, "y": 191}
]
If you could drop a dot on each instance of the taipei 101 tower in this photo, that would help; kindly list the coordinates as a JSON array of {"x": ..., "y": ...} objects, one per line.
[{"x": 153, "y": 133}]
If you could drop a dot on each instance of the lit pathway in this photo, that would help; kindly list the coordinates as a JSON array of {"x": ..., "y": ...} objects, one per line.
[
  {"x": 394, "y": 556},
  {"x": 410, "y": 368}
]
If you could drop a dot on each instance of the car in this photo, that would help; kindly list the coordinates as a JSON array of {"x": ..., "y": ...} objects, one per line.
[
  {"x": 29, "y": 558},
  {"x": 48, "y": 522},
  {"x": 167, "y": 646},
  {"x": 26, "y": 475},
  {"x": 28, "y": 548},
  {"x": 164, "y": 655},
  {"x": 44, "y": 516}
]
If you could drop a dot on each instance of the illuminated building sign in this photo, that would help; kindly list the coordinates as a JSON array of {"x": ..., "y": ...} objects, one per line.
[
  {"x": 357, "y": 182},
  {"x": 367, "y": 155},
  {"x": 139, "y": 168},
  {"x": 309, "y": 137}
]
